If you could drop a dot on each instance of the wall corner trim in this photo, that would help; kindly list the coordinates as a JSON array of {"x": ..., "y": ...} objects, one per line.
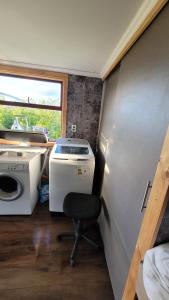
[
  {"x": 56, "y": 69},
  {"x": 145, "y": 15}
]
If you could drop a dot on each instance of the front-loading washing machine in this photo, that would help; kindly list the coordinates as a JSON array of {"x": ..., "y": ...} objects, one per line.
[{"x": 19, "y": 178}]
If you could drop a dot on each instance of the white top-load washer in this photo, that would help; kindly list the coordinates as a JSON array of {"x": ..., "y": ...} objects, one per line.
[
  {"x": 71, "y": 169},
  {"x": 19, "y": 178}
]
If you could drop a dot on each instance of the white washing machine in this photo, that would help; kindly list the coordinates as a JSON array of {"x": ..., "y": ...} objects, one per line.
[
  {"x": 71, "y": 169},
  {"x": 19, "y": 178}
]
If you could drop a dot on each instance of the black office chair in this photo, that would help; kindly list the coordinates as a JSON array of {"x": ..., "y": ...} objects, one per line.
[{"x": 81, "y": 208}]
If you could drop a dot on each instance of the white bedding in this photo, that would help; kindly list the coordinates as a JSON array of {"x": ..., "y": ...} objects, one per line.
[{"x": 156, "y": 272}]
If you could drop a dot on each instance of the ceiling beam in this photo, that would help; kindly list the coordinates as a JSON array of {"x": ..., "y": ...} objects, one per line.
[{"x": 145, "y": 15}]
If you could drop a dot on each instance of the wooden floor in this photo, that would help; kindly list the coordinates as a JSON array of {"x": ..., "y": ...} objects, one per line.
[{"x": 34, "y": 266}]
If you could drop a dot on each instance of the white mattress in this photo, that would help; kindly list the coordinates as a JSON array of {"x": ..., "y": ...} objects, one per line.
[{"x": 156, "y": 272}]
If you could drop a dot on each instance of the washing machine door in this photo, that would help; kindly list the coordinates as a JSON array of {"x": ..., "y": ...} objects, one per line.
[{"x": 10, "y": 187}]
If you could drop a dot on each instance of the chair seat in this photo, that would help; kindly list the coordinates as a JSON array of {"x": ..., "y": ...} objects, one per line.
[{"x": 82, "y": 206}]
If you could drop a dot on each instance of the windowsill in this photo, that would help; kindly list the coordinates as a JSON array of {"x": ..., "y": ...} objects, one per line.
[{"x": 32, "y": 144}]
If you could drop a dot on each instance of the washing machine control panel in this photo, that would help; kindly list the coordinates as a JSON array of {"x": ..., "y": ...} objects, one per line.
[{"x": 14, "y": 167}]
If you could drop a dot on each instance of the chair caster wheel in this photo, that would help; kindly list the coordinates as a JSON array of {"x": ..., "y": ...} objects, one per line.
[
  {"x": 59, "y": 238},
  {"x": 72, "y": 262}
]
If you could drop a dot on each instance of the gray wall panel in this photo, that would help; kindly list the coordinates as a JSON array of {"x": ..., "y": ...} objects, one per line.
[{"x": 134, "y": 122}]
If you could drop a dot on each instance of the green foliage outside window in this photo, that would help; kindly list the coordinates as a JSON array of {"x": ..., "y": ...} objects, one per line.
[{"x": 49, "y": 119}]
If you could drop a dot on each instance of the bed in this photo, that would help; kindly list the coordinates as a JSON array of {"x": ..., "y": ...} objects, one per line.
[{"x": 153, "y": 276}]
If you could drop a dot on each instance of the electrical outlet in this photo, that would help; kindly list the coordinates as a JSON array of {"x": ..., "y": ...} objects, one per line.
[{"x": 73, "y": 129}]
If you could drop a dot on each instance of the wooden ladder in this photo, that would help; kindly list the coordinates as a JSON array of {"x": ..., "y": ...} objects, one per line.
[{"x": 152, "y": 219}]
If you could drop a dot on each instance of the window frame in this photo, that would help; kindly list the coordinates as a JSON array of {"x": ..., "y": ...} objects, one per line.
[{"x": 51, "y": 76}]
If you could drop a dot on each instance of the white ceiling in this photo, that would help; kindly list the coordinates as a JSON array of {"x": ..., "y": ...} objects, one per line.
[{"x": 71, "y": 36}]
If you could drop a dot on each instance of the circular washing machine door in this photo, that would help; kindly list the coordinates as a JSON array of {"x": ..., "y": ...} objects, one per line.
[{"x": 10, "y": 187}]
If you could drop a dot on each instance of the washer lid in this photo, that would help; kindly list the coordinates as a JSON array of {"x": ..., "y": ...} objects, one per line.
[
  {"x": 72, "y": 150},
  {"x": 72, "y": 142},
  {"x": 68, "y": 149}
]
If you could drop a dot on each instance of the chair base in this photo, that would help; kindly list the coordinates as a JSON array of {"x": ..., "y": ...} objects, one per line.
[{"x": 77, "y": 235}]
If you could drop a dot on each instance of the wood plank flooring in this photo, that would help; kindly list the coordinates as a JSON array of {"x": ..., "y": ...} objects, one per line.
[{"x": 34, "y": 266}]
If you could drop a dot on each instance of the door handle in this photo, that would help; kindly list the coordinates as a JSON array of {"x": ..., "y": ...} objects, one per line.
[{"x": 148, "y": 186}]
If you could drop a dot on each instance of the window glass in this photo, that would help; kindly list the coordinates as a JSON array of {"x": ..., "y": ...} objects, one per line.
[
  {"x": 32, "y": 91},
  {"x": 32, "y": 119}
]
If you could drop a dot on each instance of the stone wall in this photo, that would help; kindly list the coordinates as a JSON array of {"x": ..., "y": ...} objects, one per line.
[{"x": 84, "y": 101}]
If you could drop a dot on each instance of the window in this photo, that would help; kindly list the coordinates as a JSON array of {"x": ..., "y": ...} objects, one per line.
[{"x": 33, "y": 100}]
